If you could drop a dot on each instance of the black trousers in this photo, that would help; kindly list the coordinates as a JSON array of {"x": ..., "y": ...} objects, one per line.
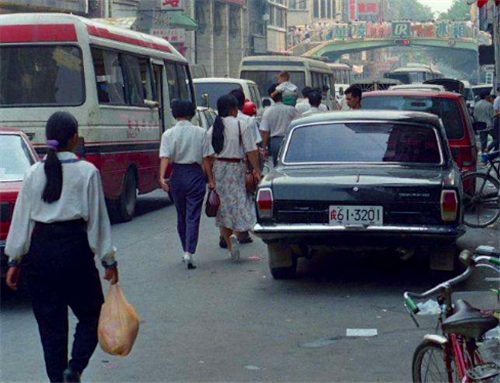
[
  {"x": 61, "y": 273},
  {"x": 188, "y": 190}
]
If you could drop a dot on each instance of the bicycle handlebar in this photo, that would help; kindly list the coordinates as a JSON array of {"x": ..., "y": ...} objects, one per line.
[{"x": 412, "y": 307}]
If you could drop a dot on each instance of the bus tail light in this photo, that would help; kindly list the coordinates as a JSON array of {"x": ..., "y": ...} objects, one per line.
[
  {"x": 449, "y": 205},
  {"x": 265, "y": 203}
]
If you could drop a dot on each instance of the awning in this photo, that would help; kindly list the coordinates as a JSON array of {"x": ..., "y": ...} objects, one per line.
[{"x": 181, "y": 20}]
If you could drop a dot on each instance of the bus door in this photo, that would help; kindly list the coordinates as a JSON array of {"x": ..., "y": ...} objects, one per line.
[{"x": 159, "y": 81}]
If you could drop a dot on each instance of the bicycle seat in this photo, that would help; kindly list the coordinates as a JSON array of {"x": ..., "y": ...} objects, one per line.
[{"x": 469, "y": 321}]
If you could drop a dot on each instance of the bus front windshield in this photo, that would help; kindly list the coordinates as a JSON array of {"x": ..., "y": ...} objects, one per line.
[
  {"x": 264, "y": 79},
  {"x": 41, "y": 76}
]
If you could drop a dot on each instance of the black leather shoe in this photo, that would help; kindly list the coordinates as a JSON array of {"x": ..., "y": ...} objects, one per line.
[
  {"x": 71, "y": 376},
  {"x": 222, "y": 243}
]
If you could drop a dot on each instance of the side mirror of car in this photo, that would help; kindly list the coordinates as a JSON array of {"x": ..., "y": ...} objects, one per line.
[
  {"x": 479, "y": 126},
  {"x": 266, "y": 102}
]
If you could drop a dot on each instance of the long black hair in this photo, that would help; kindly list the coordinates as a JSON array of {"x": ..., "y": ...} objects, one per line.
[
  {"x": 225, "y": 104},
  {"x": 60, "y": 129}
]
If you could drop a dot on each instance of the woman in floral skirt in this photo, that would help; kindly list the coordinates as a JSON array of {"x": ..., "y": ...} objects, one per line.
[{"x": 230, "y": 141}]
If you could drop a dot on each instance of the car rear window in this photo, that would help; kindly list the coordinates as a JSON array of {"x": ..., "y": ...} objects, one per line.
[
  {"x": 446, "y": 109},
  {"x": 363, "y": 143},
  {"x": 213, "y": 90},
  {"x": 15, "y": 158}
]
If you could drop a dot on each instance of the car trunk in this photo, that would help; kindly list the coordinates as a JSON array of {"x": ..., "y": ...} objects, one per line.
[{"x": 409, "y": 196}]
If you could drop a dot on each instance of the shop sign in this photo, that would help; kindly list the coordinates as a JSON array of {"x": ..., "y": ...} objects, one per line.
[
  {"x": 171, "y": 35},
  {"x": 401, "y": 29},
  {"x": 172, "y": 5}
]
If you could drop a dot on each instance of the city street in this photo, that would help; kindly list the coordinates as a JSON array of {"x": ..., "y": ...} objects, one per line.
[{"x": 230, "y": 321}]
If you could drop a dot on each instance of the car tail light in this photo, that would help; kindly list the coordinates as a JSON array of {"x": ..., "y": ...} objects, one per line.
[
  {"x": 449, "y": 205},
  {"x": 5, "y": 212},
  {"x": 265, "y": 203}
]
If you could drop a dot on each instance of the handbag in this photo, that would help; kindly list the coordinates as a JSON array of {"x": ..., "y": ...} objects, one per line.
[
  {"x": 251, "y": 182},
  {"x": 212, "y": 204}
]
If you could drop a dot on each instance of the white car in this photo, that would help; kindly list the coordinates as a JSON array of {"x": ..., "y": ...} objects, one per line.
[{"x": 208, "y": 90}]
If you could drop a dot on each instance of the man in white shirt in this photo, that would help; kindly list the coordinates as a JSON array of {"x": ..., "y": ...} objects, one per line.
[
  {"x": 315, "y": 101},
  {"x": 305, "y": 105},
  {"x": 275, "y": 122}
]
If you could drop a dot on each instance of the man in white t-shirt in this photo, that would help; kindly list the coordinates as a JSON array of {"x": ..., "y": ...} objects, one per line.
[
  {"x": 305, "y": 105},
  {"x": 315, "y": 101}
]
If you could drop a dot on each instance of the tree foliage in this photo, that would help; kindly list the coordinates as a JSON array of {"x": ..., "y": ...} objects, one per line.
[
  {"x": 459, "y": 10},
  {"x": 408, "y": 9}
]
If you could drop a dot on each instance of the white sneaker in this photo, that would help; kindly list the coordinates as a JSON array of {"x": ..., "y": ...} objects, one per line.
[
  {"x": 235, "y": 248},
  {"x": 188, "y": 259}
]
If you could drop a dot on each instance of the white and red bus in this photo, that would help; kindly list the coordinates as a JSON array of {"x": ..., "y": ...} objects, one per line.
[{"x": 117, "y": 83}]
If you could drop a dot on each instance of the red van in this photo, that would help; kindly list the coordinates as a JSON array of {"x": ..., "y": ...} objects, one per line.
[{"x": 450, "y": 107}]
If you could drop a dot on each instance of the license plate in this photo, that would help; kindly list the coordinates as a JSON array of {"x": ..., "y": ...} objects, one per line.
[{"x": 357, "y": 215}]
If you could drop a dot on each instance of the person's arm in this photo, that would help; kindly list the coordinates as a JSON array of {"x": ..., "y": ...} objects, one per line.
[
  {"x": 208, "y": 159},
  {"x": 264, "y": 130},
  {"x": 99, "y": 228},
  {"x": 166, "y": 151},
  {"x": 164, "y": 161},
  {"x": 253, "y": 157},
  {"x": 208, "y": 164},
  {"x": 19, "y": 238}
]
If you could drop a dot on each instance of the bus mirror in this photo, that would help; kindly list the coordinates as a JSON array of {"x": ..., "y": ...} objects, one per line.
[
  {"x": 204, "y": 97},
  {"x": 266, "y": 102}
]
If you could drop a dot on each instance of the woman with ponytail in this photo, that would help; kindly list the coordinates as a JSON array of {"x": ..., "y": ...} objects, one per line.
[
  {"x": 60, "y": 221},
  {"x": 230, "y": 141}
]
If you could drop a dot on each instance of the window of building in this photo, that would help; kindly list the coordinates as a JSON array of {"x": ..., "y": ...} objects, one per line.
[
  {"x": 330, "y": 5},
  {"x": 323, "y": 9},
  {"x": 316, "y": 9},
  {"x": 272, "y": 19},
  {"x": 292, "y": 4},
  {"x": 280, "y": 17}
]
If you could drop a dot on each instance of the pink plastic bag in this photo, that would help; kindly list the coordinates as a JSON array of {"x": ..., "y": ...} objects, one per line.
[{"x": 118, "y": 323}]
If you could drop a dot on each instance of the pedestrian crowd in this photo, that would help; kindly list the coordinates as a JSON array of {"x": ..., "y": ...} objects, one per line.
[
  {"x": 487, "y": 111},
  {"x": 61, "y": 222}
]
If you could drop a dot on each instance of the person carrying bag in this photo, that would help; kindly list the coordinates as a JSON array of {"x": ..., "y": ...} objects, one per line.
[{"x": 60, "y": 221}]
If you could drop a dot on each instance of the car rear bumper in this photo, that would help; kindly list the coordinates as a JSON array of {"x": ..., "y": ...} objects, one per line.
[{"x": 317, "y": 234}]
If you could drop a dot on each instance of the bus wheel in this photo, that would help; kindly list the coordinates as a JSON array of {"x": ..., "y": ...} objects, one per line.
[{"x": 125, "y": 205}]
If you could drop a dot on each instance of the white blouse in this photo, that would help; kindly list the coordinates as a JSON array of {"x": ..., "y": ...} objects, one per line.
[
  {"x": 232, "y": 147},
  {"x": 185, "y": 143},
  {"x": 82, "y": 197}
]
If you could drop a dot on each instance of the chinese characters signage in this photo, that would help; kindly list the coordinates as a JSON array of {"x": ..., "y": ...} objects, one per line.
[
  {"x": 171, "y": 35},
  {"x": 353, "y": 10},
  {"x": 172, "y": 5}
]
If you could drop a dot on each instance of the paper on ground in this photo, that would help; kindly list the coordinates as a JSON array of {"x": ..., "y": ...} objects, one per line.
[{"x": 361, "y": 332}]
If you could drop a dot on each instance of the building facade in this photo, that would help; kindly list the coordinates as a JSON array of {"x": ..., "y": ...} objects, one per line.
[{"x": 308, "y": 12}]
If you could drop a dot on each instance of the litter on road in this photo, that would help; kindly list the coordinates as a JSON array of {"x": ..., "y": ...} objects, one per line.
[{"x": 361, "y": 332}]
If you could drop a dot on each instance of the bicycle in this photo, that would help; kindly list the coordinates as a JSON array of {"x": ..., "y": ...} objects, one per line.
[
  {"x": 455, "y": 356},
  {"x": 481, "y": 193}
]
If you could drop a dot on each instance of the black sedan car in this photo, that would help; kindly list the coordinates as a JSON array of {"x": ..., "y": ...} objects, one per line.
[{"x": 379, "y": 179}]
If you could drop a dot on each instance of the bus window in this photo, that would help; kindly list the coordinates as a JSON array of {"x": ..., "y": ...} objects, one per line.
[
  {"x": 173, "y": 85},
  {"x": 109, "y": 77},
  {"x": 183, "y": 83},
  {"x": 264, "y": 79},
  {"x": 41, "y": 76},
  {"x": 138, "y": 86}
]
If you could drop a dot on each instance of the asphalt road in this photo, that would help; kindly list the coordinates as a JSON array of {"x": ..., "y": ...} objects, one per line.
[{"x": 228, "y": 321}]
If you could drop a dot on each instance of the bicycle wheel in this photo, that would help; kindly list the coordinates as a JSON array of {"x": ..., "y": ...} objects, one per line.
[
  {"x": 429, "y": 365},
  {"x": 481, "y": 200}
]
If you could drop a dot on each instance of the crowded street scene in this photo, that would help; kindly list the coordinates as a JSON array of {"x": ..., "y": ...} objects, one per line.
[{"x": 250, "y": 191}]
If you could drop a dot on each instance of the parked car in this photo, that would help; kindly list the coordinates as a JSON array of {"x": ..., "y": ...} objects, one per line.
[
  {"x": 380, "y": 179},
  {"x": 450, "y": 107},
  {"x": 208, "y": 91},
  {"x": 16, "y": 156}
]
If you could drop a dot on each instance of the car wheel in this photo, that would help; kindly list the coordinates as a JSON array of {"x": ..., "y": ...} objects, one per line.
[
  {"x": 282, "y": 262},
  {"x": 124, "y": 209}
]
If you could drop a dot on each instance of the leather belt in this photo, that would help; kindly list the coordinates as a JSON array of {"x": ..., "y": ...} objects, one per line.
[{"x": 231, "y": 160}]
